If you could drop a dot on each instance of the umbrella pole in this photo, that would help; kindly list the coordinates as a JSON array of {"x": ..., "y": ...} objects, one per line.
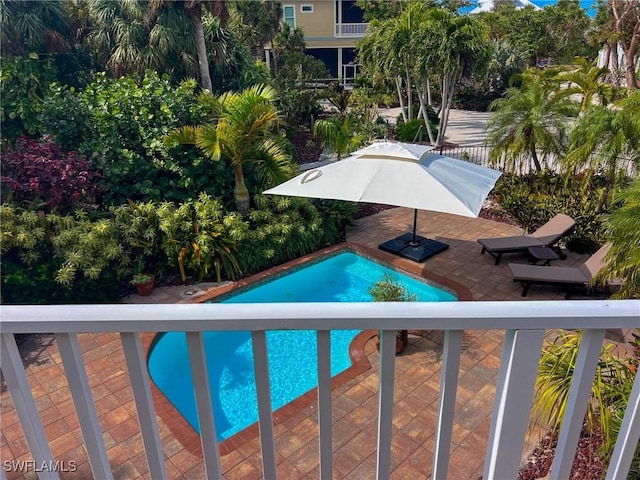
[{"x": 415, "y": 223}]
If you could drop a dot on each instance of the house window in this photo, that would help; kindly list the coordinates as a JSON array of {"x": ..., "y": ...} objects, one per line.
[
  {"x": 290, "y": 15},
  {"x": 306, "y": 8}
]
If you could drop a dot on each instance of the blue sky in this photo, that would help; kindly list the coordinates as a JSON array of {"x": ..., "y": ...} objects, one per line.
[{"x": 588, "y": 5}]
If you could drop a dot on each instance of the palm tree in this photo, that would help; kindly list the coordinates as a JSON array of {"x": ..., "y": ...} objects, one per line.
[
  {"x": 243, "y": 134},
  {"x": 587, "y": 80},
  {"x": 339, "y": 135},
  {"x": 194, "y": 9},
  {"x": 28, "y": 26},
  {"x": 623, "y": 259},
  {"x": 453, "y": 47},
  {"x": 128, "y": 38},
  {"x": 607, "y": 140},
  {"x": 529, "y": 120}
]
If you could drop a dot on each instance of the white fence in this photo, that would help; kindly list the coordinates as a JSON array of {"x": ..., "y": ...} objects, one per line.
[{"x": 525, "y": 324}]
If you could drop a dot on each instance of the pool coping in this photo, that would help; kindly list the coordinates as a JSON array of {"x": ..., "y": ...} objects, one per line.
[{"x": 189, "y": 437}]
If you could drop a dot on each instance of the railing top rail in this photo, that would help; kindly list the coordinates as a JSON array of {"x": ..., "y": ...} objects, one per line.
[{"x": 567, "y": 314}]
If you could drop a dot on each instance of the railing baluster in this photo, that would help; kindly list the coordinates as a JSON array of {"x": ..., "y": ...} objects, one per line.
[
  {"x": 24, "y": 404},
  {"x": 144, "y": 404},
  {"x": 385, "y": 401},
  {"x": 447, "y": 404},
  {"x": 583, "y": 374},
  {"x": 85, "y": 406},
  {"x": 206, "y": 420},
  {"x": 324, "y": 404},
  {"x": 517, "y": 377},
  {"x": 628, "y": 437},
  {"x": 265, "y": 416}
]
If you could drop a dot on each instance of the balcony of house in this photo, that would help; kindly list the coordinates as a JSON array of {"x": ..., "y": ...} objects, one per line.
[
  {"x": 455, "y": 405},
  {"x": 357, "y": 30}
]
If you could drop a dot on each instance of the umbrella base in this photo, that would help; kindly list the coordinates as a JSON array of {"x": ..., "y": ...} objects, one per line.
[{"x": 419, "y": 252}]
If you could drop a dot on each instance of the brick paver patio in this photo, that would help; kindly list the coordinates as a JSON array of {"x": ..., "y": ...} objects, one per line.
[{"x": 354, "y": 402}]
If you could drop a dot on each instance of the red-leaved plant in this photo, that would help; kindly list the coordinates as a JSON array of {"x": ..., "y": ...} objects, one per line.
[{"x": 40, "y": 170}]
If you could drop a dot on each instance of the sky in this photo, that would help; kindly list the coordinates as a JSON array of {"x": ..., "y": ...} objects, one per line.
[{"x": 587, "y": 5}]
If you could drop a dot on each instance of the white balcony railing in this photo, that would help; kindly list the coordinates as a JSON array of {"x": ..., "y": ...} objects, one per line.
[
  {"x": 351, "y": 29},
  {"x": 525, "y": 324}
]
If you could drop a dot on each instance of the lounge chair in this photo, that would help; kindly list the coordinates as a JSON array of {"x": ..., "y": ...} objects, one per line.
[
  {"x": 546, "y": 236},
  {"x": 569, "y": 277}
]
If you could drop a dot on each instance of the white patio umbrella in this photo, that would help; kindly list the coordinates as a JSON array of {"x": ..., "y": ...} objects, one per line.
[{"x": 402, "y": 174}]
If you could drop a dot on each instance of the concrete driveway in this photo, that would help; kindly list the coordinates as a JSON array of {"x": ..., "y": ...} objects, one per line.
[{"x": 465, "y": 127}]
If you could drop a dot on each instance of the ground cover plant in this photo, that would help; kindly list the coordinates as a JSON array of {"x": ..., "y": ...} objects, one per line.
[{"x": 608, "y": 401}]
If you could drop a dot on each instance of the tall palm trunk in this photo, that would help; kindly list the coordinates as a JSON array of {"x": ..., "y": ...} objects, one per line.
[
  {"x": 194, "y": 10},
  {"x": 534, "y": 156},
  {"x": 240, "y": 192}
]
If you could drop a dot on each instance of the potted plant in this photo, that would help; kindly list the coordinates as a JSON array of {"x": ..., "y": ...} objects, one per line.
[
  {"x": 143, "y": 283},
  {"x": 390, "y": 290}
]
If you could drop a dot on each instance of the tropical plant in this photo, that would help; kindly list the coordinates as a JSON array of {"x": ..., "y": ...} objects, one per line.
[
  {"x": 40, "y": 171},
  {"x": 195, "y": 238},
  {"x": 258, "y": 21},
  {"x": 119, "y": 124},
  {"x": 529, "y": 121},
  {"x": 194, "y": 9},
  {"x": 623, "y": 229},
  {"x": 390, "y": 289},
  {"x": 534, "y": 198},
  {"x": 506, "y": 60},
  {"x": 607, "y": 140},
  {"x": 139, "y": 278},
  {"x": 52, "y": 258},
  {"x": 25, "y": 83},
  {"x": 609, "y": 391},
  {"x": 339, "y": 135},
  {"x": 38, "y": 27},
  {"x": 425, "y": 46},
  {"x": 243, "y": 133},
  {"x": 279, "y": 229},
  {"x": 129, "y": 38},
  {"x": 587, "y": 80}
]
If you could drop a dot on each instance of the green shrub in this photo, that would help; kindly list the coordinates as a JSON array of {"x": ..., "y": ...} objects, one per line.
[
  {"x": 408, "y": 132},
  {"x": 196, "y": 238},
  {"x": 280, "y": 229},
  {"x": 49, "y": 259},
  {"x": 533, "y": 199},
  {"x": 40, "y": 171},
  {"x": 24, "y": 83},
  {"x": 120, "y": 126}
]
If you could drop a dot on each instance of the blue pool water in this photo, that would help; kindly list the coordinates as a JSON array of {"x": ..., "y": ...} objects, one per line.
[{"x": 345, "y": 277}]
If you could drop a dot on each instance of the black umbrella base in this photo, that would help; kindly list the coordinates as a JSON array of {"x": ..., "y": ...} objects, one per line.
[{"x": 419, "y": 252}]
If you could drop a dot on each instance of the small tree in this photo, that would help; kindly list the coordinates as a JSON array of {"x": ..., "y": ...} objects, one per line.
[
  {"x": 339, "y": 135},
  {"x": 390, "y": 290},
  {"x": 244, "y": 133}
]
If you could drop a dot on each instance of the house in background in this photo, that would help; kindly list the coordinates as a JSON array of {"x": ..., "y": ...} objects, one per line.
[{"x": 331, "y": 29}]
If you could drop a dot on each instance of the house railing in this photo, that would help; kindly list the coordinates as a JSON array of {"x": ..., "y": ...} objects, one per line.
[
  {"x": 524, "y": 322},
  {"x": 351, "y": 29}
]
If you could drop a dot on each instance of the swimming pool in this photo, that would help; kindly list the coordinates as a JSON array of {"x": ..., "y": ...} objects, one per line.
[{"x": 345, "y": 277}]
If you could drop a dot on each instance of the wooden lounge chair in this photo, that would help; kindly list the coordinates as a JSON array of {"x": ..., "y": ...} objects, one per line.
[
  {"x": 546, "y": 236},
  {"x": 568, "y": 277}
]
